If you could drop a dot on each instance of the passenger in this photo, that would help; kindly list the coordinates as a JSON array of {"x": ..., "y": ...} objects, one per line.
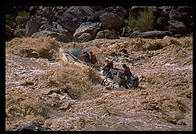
[
  {"x": 93, "y": 58},
  {"x": 106, "y": 69},
  {"x": 111, "y": 64},
  {"x": 127, "y": 73},
  {"x": 86, "y": 57}
]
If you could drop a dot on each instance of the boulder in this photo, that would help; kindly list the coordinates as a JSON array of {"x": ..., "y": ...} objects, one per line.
[
  {"x": 135, "y": 34},
  {"x": 183, "y": 14},
  {"x": 180, "y": 13},
  {"x": 46, "y": 27},
  {"x": 176, "y": 26},
  {"x": 87, "y": 27},
  {"x": 32, "y": 26},
  {"x": 32, "y": 10},
  {"x": 47, "y": 12},
  {"x": 84, "y": 37},
  {"x": 29, "y": 127},
  {"x": 9, "y": 32},
  {"x": 19, "y": 32},
  {"x": 107, "y": 34},
  {"x": 74, "y": 16},
  {"x": 111, "y": 20},
  {"x": 65, "y": 36},
  {"x": 120, "y": 11},
  {"x": 125, "y": 31},
  {"x": 154, "y": 34},
  {"x": 161, "y": 23}
]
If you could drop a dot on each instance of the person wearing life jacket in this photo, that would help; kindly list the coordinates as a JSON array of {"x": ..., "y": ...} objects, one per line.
[
  {"x": 86, "y": 57},
  {"x": 106, "y": 69},
  {"x": 127, "y": 73},
  {"x": 110, "y": 64},
  {"x": 93, "y": 58}
]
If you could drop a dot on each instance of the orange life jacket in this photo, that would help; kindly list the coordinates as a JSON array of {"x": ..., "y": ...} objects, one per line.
[
  {"x": 127, "y": 72},
  {"x": 111, "y": 64},
  {"x": 93, "y": 58}
]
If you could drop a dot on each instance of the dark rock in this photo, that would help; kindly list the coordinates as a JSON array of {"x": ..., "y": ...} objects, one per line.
[
  {"x": 29, "y": 127},
  {"x": 84, "y": 37},
  {"x": 87, "y": 27},
  {"x": 120, "y": 11},
  {"x": 93, "y": 18},
  {"x": 47, "y": 12},
  {"x": 32, "y": 10},
  {"x": 9, "y": 32},
  {"x": 161, "y": 23},
  {"x": 46, "y": 27},
  {"x": 125, "y": 31},
  {"x": 154, "y": 34},
  {"x": 74, "y": 16},
  {"x": 32, "y": 26},
  {"x": 183, "y": 14},
  {"x": 111, "y": 20},
  {"x": 150, "y": 34},
  {"x": 99, "y": 13},
  {"x": 19, "y": 32},
  {"x": 65, "y": 36},
  {"x": 177, "y": 26},
  {"x": 180, "y": 13},
  {"x": 135, "y": 34},
  {"x": 107, "y": 34}
]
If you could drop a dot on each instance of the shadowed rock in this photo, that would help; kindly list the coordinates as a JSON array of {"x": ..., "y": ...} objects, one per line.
[{"x": 111, "y": 20}]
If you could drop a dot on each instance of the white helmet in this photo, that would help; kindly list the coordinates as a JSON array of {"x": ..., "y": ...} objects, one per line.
[{"x": 106, "y": 59}]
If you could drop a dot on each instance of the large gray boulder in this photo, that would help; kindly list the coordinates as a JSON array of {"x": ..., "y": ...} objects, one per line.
[
  {"x": 65, "y": 36},
  {"x": 107, "y": 34},
  {"x": 180, "y": 13},
  {"x": 74, "y": 16},
  {"x": 111, "y": 20},
  {"x": 32, "y": 26},
  {"x": 87, "y": 27},
  {"x": 176, "y": 26},
  {"x": 120, "y": 11},
  {"x": 154, "y": 34},
  {"x": 84, "y": 37},
  {"x": 183, "y": 14}
]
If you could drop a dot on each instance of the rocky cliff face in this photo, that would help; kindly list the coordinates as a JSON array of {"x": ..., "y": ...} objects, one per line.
[{"x": 177, "y": 20}]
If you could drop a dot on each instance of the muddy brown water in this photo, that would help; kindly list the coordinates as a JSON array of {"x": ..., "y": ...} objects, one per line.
[{"x": 163, "y": 102}]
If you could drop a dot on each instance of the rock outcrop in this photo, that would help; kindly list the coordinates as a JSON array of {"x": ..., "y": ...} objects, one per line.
[
  {"x": 111, "y": 20},
  {"x": 74, "y": 16},
  {"x": 87, "y": 27},
  {"x": 64, "y": 36},
  {"x": 81, "y": 21}
]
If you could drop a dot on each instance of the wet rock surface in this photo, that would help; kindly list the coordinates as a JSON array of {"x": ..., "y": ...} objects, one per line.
[{"x": 67, "y": 95}]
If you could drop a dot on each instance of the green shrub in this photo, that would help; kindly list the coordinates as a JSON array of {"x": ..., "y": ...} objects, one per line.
[
  {"x": 23, "y": 13},
  {"x": 131, "y": 21},
  {"x": 144, "y": 22},
  {"x": 9, "y": 20}
]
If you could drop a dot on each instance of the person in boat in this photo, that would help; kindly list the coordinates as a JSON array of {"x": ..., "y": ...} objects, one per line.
[
  {"x": 106, "y": 69},
  {"x": 93, "y": 57},
  {"x": 86, "y": 57},
  {"x": 127, "y": 73}
]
